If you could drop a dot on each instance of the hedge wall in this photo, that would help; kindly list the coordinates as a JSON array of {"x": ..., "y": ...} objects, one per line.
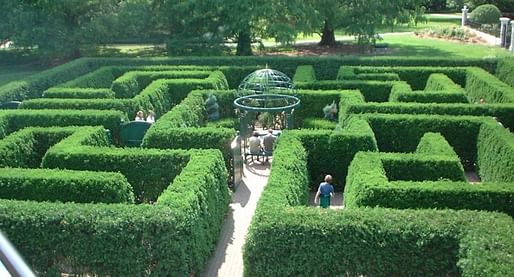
[
  {"x": 64, "y": 186},
  {"x": 285, "y": 240},
  {"x": 372, "y": 183},
  {"x": 172, "y": 237},
  {"x": 305, "y": 74},
  {"x": 132, "y": 82},
  {"x": 183, "y": 127},
  {"x": 26, "y": 148},
  {"x": 17, "y": 119},
  {"x": 481, "y": 84},
  {"x": 85, "y": 150},
  {"x": 504, "y": 70},
  {"x": 495, "y": 154},
  {"x": 326, "y": 68},
  {"x": 331, "y": 152},
  {"x": 373, "y": 91},
  {"x": 401, "y": 133},
  {"x": 78, "y": 93}
]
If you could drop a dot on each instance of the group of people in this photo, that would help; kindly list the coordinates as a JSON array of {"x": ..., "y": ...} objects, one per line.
[
  {"x": 140, "y": 116},
  {"x": 265, "y": 146}
]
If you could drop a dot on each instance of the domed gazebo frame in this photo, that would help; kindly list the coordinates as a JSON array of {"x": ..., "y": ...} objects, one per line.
[{"x": 265, "y": 90}]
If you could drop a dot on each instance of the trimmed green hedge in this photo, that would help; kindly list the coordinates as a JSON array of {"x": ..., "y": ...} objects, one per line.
[
  {"x": 438, "y": 81},
  {"x": 318, "y": 123},
  {"x": 504, "y": 70},
  {"x": 149, "y": 171},
  {"x": 482, "y": 84},
  {"x": 370, "y": 183},
  {"x": 18, "y": 119},
  {"x": 64, "y": 186},
  {"x": 78, "y": 93},
  {"x": 173, "y": 237},
  {"x": 132, "y": 82},
  {"x": 495, "y": 157},
  {"x": 373, "y": 91},
  {"x": 304, "y": 73},
  {"x": 401, "y": 133},
  {"x": 26, "y": 147},
  {"x": 376, "y": 242},
  {"x": 435, "y": 144},
  {"x": 331, "y": 152}
]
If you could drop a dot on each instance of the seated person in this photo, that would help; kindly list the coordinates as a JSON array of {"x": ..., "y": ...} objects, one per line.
[
  {"x": 151, "y": 117},
  {"x": 255, "y": 144},
  {"x": 140, "y": 116},
  {"x": 268, "y": 141}
]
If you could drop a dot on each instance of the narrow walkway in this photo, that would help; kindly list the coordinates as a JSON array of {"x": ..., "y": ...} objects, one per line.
[
  {"x": 336, "y": 202},
  {"x": 227, "y": 259}
]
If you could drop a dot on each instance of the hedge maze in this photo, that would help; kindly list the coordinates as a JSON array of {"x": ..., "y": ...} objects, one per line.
[{"x": 74, "y": 200}]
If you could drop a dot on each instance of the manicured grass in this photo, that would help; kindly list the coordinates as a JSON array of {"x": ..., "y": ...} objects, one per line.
[
  {"x": 410, "y": 45},
  {"x": 16, "y": 72},
  {"x": 433, "y": 21}
]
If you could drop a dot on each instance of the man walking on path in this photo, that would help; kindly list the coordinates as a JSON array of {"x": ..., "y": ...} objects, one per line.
[{"x": 325, "y": 192}]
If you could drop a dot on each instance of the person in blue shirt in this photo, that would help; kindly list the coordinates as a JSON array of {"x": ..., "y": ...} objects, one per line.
[{"x": 325, "y": 192}]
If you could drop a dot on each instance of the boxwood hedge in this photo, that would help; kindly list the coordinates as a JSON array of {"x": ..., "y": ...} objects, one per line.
[
  {"x": 172, "y": 237},
  {"x": 287, "y": 240}
]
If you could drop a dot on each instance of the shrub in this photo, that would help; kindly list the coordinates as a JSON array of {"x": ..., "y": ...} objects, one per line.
[
  {"x": 78, "y": 93},
  {"x": 317, "y": 123},
  {"x": 304, "y": 73},
  {"x": 172, "y": 237},
  {"x": 486, "y": 14},
  {"x": 495, "y": 153},
  {"x": 346, "y": 73},
  {"x": 85, "y": 150},
  {"x": 481, "y": 84},
  {"x": 373, "y": 91},
  {"x": 64, "y": 186},
  {"x": 18, "y": 119},
  {"x": 25, "y": 148},
  {"x": 504, "y": 70},
  {"x": 401, "y": 133}
]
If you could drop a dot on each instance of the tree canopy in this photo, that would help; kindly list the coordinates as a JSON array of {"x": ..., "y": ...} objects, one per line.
[{"x": 67, "y": 26}]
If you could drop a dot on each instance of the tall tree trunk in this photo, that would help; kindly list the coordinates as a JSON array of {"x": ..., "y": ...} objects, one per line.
[
  {"x": 328, "y": 37},
  {"x": 244, "y": 46}
]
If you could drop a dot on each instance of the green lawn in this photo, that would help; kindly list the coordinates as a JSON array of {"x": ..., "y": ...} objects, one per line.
[
  {"x": 433, "y": 21},
  {"x": 410, "y": 45},
  {"x": 16, "y": 72}
]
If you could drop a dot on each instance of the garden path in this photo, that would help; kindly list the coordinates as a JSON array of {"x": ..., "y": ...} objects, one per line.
[{"x": 227, "y": 260}]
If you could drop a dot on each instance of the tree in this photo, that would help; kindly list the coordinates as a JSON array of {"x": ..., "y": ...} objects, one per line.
[{"x": 57, "y": 27}]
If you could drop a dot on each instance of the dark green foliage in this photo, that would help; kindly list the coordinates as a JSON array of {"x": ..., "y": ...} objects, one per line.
[
  {"x": 504, "y": 70},
  {"x": 438, "y": 82},
  {"x": 481, "y": 84},
  {"x": 401, "y": 133},
  {"x": 149, "y": 171},
  {"x": 485, "y": 14},
  {"x": 75, "y": 104},
  {"x": 230, "y": 123},
  {"x": 370, "y": 183},
  {"x": 317, "y": 123},
  {"x": 131, "y": 83},
  {"x": 78, "y": 93},
  {"x": 416, "y": 76},
  {"x": 100, "y": 78},
  {"x": 373, "y": 91},
  {"x": 64, "y": 186},
  {"x": 346, "y": 73},
  {"x": 172, "y": 238},
  {"x": 33, "y": 86},
  {"x": 495, "y": 157},
  {"x": 26, "y": 148},
  {"x": 414, "y": 167},
  {"x": 331, "y": 152},
  {"x": 19, "y": 119},
  {"x": 432, "y": 97},
  {"x": 435, "y": 144},
  {"x": 304, "y": 73},
  {"x": 379, "y": 76},
  {"x": 200, "y": 187}
]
